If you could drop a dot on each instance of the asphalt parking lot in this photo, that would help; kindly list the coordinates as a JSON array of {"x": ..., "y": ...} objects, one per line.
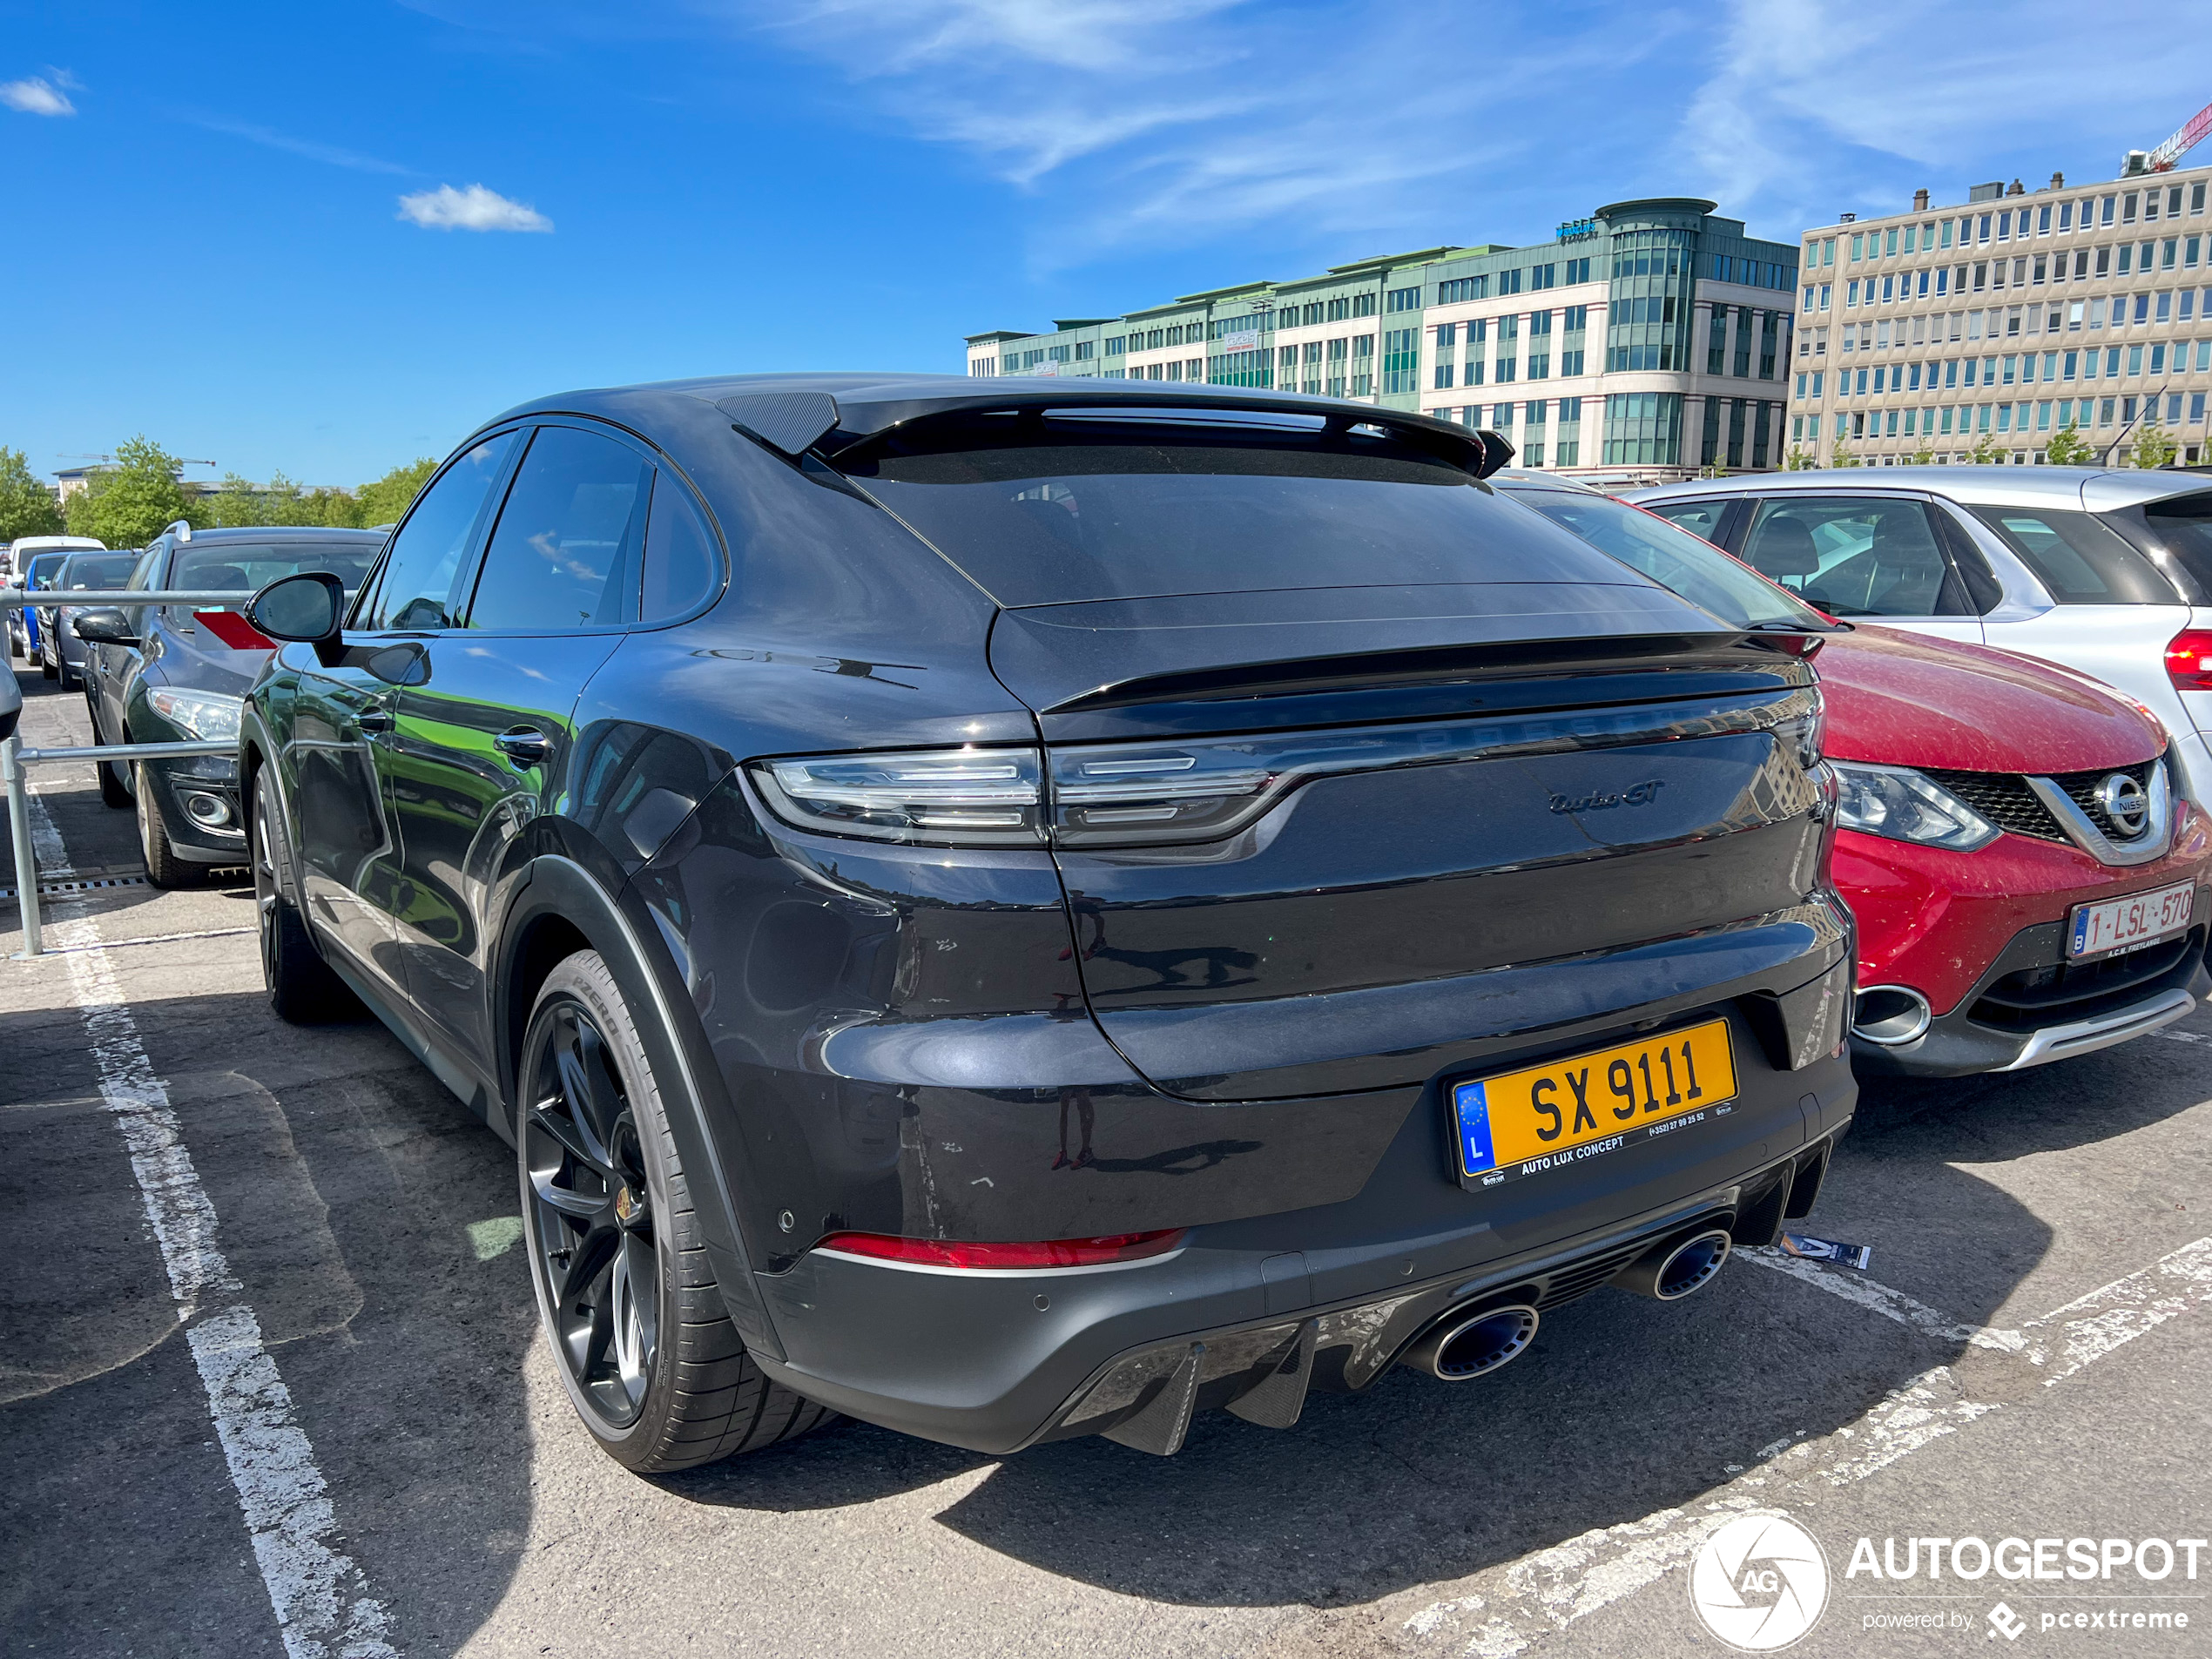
[{"x": 264, "y": 1334}]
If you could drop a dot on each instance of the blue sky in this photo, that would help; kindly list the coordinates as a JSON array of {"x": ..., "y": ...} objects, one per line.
[{"x": 328, "y": 239}]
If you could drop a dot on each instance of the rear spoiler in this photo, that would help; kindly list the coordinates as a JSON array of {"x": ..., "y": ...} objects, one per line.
[{"x": 792, "y": 423}]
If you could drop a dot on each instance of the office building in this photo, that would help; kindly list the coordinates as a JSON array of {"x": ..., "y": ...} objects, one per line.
[
  {"x": 1980, "y": 332},
  {"x": 1644, "y": 342}
]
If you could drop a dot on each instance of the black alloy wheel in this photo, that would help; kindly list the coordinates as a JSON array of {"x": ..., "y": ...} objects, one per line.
[
  {"x": 625, "y": 1292},
  {"x": 594, "y": 1235}
]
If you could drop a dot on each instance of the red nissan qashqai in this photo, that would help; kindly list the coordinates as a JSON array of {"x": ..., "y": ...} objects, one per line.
[{"x": 2028, "y": 883}]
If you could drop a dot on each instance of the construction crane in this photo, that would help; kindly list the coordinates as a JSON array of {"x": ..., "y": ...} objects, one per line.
[{"x": 2163, "y": 159}]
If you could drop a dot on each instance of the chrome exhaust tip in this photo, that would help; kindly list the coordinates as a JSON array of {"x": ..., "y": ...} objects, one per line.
[
  {"x": 1677, "y": 1268},
  {"x": 1458, "y": 1348},
  {"x": 1890, "y": 1016}
]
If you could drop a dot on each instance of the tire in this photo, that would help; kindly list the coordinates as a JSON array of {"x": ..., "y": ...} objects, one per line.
[
  {"x": 663, "y": 1386},
  {"x": 302, "y": 988},
  {"x": 69, "y": 678},
  {"x": 112, "y": 792},
  {"x": 164, "y": 868},
  {"x": 45, "y": 668}
]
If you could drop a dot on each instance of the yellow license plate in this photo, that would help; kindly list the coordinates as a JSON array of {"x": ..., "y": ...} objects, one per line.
[{"x": 1586, "y": 1105}]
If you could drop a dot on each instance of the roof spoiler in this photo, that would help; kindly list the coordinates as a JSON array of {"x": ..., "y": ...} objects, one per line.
[{"x": 793, "y": 423}]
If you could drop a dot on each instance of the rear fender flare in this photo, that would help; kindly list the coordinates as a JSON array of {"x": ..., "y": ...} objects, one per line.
[{"x": 558, "y": 887}]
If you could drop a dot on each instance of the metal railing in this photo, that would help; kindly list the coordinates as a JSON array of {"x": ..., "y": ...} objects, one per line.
[{"x": 14, "y": 757}]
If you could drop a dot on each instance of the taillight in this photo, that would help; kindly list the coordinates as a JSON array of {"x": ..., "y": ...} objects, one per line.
[
  {"x": 968, "y": 797},
  {"x": 1051, "y": 1252},
  {"x": 2188, "y": 660}
]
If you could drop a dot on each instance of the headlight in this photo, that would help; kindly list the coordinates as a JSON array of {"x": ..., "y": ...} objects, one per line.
[
  {"x": 207, "y": 715},
  {"x": 1904, "y": 806}
]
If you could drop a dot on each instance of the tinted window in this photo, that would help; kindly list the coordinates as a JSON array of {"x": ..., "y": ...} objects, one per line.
[
  {"x": 98, "y": 571},
  {"x": 1857, "y": 555},
  {"x": 41, "y": 569},
  {"x": 1701, "y": 518},
  {"x": 1051, "y": 511},
  {"x": 681, "y": 565},
  {"x": 2183, "y": 527},
  {"x": 1696, "y": 569},
  {"x": 237, "y": 567},
  {"x": 417, "y": 588},
  {"x": 2077, "y": 558},
  {"x": 565, "y": 552}
]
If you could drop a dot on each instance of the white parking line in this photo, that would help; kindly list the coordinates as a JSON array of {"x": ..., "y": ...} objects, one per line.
[
  {"x": 1547, "y": 1590},
  {"x": 321, "y": 1600},
  {"x": 1891, "y": 1304}
]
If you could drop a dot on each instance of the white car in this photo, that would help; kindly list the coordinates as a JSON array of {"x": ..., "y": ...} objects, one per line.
[
  {"x": 19, "y": 558},
  {"x": 2106, "y": 572}
]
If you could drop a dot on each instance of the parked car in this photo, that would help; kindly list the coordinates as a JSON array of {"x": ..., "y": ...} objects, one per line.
[
  {"x": 23, "y": 624},
  {"x": 22, "y": 555},
  {"x": 2028, "y": 886},
  {"x": 1014, "y": 910},
  {"x": 176, "y": 673},
  {"x": 61, "y": 653},
  {"x": 2109, "y": 572}
]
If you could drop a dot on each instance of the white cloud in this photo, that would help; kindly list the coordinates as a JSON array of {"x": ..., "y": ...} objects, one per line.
[
  {"x": 38, "y": 96},
  {"x": 473, "y": 209}
]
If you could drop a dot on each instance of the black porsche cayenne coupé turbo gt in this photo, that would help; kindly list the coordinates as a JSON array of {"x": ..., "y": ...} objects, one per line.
[{"x": 1013, "y": 910}]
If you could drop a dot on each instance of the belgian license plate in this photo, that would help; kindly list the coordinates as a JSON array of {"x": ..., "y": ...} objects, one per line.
[
  {"x": 2140, "y": 918},
  {"x": 1583, "y": 1106}
]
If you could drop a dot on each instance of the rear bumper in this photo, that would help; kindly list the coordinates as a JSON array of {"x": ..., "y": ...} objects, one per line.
[{"x": 995, "y": 1361}]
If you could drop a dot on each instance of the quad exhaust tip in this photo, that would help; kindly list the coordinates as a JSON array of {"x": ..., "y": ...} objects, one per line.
[
  {"x": 1461, "y": 1347},
  {"x": 1679, "y": 1267}
]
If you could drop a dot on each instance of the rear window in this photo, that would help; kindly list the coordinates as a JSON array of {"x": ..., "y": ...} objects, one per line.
[
  {"x": 42, "y": 568},
  {"x": 1059, "y": 511},
  {"x": 242, "y": 567},
  {"x": 2077, "y": 558}
]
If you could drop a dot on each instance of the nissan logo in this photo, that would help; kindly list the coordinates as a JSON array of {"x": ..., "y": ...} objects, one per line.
[{"x": 2125, "y": 804}]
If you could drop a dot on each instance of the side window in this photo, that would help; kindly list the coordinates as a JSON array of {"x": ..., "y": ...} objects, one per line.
[
  {"x": 681, "y": 565},
  {"x": 1857, "y": 556},
  {"x": 2078, "y": 559},
  {"x": 566, "y": 551},
  {"x": 1700, "y": 518},
  {"x": 425, "y": 562}
]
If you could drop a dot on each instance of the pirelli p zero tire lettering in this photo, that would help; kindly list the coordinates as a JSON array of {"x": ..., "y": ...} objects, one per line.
[{"x": 629, "y": 1303}]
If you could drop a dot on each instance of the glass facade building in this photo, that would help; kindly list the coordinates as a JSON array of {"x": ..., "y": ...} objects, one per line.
[
  {"x": 1982, "y": 331},
  {"x": 1648, "y": 340}
]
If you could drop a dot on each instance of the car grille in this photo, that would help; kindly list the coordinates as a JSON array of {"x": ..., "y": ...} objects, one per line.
[
  {"x": 2006, "y": 800},
  {"x": 2060, "y": 993}
]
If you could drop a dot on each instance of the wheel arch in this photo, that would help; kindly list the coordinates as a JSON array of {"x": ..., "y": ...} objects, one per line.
[{"x": 561, "y": 908}]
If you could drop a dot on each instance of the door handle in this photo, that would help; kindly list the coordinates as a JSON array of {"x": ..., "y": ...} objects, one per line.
[
  {"x": 371, "y": 721},
  {"x": 524, "y": 747}
]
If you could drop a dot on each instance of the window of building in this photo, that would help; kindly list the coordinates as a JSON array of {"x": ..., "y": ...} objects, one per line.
[
  {"x": 1570, "y": 361},
  {"x": 1443, "y": 382},
  {"x": 1461, "y": 289},
  {"x": 1543, "y": 276},
  {"x": 1058, "y": 354},
  {"x": 1403, "y": 299},
  {"x": 1116, "y": 345},
  {"x": 1401, "y": 359},
  {"x": 1579, "y": 270},
  {"x": 2105, "y": 209},
  {"x": 1644, "y": 428}
]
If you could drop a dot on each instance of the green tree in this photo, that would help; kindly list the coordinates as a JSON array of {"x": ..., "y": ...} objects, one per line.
[
  {"x": 1842, "y": 456},
  {"x": 1923, "y": 456},
  {"x": 236, "y": 503},
  {"x": 2069, "y": 448},
  {"x": 339, "y": 508},
  {"x": 382, "y": 501},
  {"x": 1800, "y": 458},
  {"x": 1987, "y": 452},
  {"x": 134, "y": 500},
  {"x": 2155, "y": 446},
  {"x": 27, "y": 507}
]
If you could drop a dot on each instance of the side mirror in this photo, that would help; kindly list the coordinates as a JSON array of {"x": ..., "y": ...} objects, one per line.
[
  {"x": 102, "y": 625},
  {"x": 308, "y": 608}
]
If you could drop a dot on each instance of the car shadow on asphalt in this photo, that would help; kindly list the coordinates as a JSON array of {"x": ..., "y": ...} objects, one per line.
[{"x": 1622, "y": 1407}]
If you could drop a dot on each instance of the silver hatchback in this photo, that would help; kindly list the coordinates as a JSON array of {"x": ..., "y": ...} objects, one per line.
[{"x": 2105, "y": 573}]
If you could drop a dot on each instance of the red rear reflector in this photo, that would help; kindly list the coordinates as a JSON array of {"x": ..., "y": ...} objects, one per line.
[
  {"x": 1051, "y": 1252},
  {"x": 233, "y": 630},
  {"x": 2188, "y": 660}
]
